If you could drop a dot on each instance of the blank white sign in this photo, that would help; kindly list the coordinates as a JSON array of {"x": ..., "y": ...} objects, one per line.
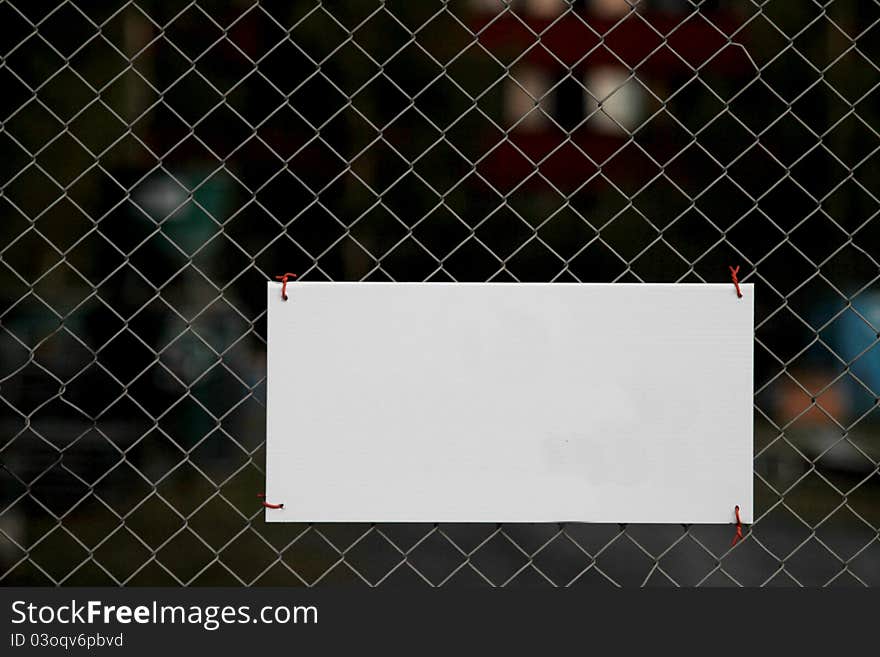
[{"x": 450, "y": 402}]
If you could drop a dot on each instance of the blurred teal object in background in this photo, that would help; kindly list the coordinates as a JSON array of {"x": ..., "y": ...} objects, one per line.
[
  {"x": 187, "y": 204},
  {"x": 854, "y": 336}
]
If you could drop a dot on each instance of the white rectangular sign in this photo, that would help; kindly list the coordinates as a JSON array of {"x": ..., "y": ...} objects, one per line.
[{"x": 451, "y": 402}]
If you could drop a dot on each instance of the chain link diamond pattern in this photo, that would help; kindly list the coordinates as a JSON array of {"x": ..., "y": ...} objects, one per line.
[{"x": 164, "y": 159}]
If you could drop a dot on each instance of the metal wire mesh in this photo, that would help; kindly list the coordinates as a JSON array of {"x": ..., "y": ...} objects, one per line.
[{"x": 163, "y": 159}]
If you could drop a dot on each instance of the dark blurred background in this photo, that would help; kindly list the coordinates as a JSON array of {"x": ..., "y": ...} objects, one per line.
[{"x": 163, "y": 159}]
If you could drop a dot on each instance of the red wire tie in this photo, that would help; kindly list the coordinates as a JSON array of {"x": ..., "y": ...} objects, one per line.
[
  {"x": 733, "y": 276},
  {"x": 269, "y": 505},
  {"x": 739, "y": 528},
  {"x": 283, "y": 278}
]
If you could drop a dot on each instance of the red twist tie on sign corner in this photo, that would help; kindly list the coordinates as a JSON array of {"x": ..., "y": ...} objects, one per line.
[
  {"x": 739, "y": 528},
  {"x": 734, "y": 271},
  {"x": 283, "y": 278},
  {"x": 269, "y": 505}
]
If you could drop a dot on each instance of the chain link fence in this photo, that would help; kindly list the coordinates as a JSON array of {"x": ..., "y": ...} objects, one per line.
[{"x": 163, "y": 159}]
